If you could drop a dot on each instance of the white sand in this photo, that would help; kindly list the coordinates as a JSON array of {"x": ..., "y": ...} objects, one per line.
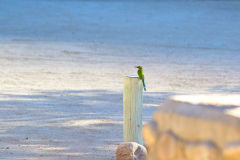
[{"x": 62, "y": 65}]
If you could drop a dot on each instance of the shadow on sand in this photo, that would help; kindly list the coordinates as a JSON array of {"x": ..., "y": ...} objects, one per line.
[{"x": 65, "y": 124}]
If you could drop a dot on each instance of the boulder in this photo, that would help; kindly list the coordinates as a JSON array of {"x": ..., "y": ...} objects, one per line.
[
  {"x": 149, "y": 133},
  {"x": 169, "y": 147},
  {"x": 202, "y": 151},
  {"x": 232, "y": 151},
  {"x": 131, "y": 151}
]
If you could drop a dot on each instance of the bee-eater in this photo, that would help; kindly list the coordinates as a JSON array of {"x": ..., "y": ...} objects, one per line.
[{"x": 141, "y": 76}]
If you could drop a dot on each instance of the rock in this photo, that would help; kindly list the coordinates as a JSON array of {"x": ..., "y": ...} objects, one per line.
[
  {"x": 131, "y": 151},
  {"x": 199, "y": 122},
  {"x": 232, "y": 151},
  {"x": 202, "y": 151},
  {"x": 149, "y": 133},
  {"x": 169, "y": 147}
]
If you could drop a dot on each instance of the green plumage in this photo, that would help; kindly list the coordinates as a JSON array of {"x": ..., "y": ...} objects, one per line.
[{"x": 141, "y": 76}]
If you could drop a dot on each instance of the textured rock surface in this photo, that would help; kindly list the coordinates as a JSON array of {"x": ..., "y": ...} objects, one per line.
[
  {"x": 209, "y": 122},
  {"x": 169, "y": 147},
  {"x": 131, "y": 151},
  {"x": 149, "y": 132},
  {"x": 232, "y": 151},
  {"x": 202, "y": 151},
  {"x": 205, "y": 128}
]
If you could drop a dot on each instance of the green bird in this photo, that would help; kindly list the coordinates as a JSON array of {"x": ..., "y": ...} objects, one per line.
[{"x": 141, "y": 76}]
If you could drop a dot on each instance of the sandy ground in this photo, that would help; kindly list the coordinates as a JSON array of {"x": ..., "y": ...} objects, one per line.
[{"x": 62, "y": 65}]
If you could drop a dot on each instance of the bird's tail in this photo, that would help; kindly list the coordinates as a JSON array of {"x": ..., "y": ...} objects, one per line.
[{"x": 144, "y": 86}]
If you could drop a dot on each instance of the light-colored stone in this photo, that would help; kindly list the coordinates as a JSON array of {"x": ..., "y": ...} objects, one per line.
[
  {"x": 198, "y": 122},
  {"x": 131, "y": 151},
  {"x": 169, "y": 147},
  {"x": 232, "y": 151},
  {"x": 149, "y": 133},
  {"x": 195, "y": 120},
  {"x": 202, "y": 151}
]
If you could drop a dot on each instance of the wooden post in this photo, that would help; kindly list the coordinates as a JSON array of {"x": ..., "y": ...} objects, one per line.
[{"x": 132, "y": 109}]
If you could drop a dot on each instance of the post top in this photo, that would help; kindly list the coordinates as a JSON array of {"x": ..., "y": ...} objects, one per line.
[{"x": 131, "y": 76}]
